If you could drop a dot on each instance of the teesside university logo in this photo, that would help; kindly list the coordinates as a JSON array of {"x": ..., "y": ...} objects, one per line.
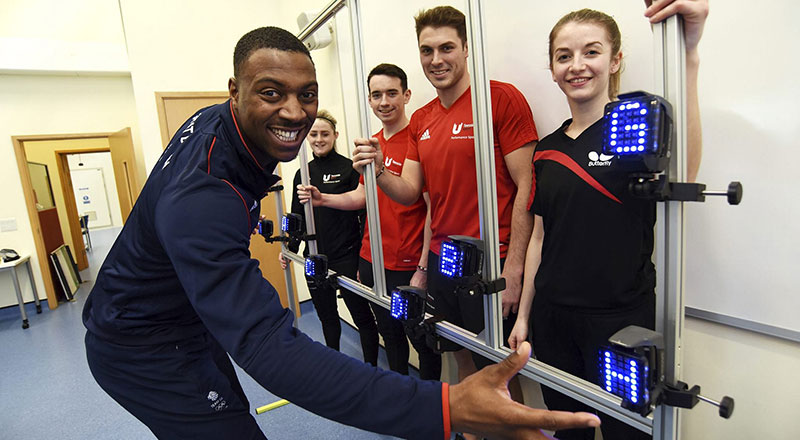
[
  {"x": 331, "y": 178},
  {"x": 458, "y": 127}
]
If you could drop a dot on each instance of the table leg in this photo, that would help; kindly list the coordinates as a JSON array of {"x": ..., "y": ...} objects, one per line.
[
  {"x": 19, "y": 299},
  {"x": 33, "y": 287}
]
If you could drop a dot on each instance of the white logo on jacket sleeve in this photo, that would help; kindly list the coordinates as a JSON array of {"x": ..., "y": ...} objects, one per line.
[
  {"x": 599, "y": 160},
  {"x": 166, "y": 162},
  {"x": 190, "y": 128}
]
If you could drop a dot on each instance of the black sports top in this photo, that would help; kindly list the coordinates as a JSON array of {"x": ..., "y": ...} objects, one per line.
[{"x": 598, "y": 239}]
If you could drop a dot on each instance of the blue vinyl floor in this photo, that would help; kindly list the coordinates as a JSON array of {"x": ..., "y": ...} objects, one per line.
[{"x": 47, "y": 391}]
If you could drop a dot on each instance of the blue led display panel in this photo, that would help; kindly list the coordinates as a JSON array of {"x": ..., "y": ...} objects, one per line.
[
  {"x": 630, "y": 128},
  {"x": 399, "y": 306},
  {"x": 311, "y": 268},
  {"x": 451, "y": 262},
  {"x": 626, "y": 376},
  {"x": 638, "y": 130},
  {"x": 285, "y": 224}
]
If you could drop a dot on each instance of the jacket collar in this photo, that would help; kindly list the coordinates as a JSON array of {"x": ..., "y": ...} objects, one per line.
[{"x": 256, "y": 173}]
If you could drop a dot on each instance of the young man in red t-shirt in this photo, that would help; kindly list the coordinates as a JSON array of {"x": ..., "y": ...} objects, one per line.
[
  {"x": 405, "y": 230},
  {"x": 441, "y": 157}
]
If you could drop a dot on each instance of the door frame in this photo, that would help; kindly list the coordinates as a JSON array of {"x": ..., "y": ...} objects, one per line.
[
  {"x": 68, "y": 192},
  {"x": 69, "y": 199}
]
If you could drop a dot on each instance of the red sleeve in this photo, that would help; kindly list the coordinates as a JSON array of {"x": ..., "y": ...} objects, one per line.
[
  {"x": 413, "y": 126},
  {"x": 511, "y": 117},
  {"x": 446, "y": 409}
]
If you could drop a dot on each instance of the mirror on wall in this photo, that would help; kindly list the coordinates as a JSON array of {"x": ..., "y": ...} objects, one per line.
[{"x": 42, "y": 190}]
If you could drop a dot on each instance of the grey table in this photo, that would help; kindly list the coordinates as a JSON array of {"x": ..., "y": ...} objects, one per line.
[{"x": 12, "y": 266}]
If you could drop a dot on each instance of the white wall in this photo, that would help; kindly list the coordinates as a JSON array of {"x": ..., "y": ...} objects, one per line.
[
  {"x": 62, "y": 70},
  {"x": 43, "y": 104},
  {"x": 75, "y": 36}
]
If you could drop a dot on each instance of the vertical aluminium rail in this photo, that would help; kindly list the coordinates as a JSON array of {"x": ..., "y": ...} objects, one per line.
[
  {"x": 671, "y": 84},
  {"x": 287, "y": 273},
  {"x": 485, "y": 168},
  {"x": 373, "y": 217},
  {"x": 326, "y": 14},
  {"x": 370, "y": 185},
  {"x": 323, "y": 17}
]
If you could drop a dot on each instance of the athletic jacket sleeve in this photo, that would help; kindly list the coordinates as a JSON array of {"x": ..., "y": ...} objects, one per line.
[{"x": 204, "y": 230}]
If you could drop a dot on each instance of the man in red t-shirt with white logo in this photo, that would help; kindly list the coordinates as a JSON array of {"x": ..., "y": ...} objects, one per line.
[
  {"x": 405, "y": 230},
  {"x": 441, "y": 157}
]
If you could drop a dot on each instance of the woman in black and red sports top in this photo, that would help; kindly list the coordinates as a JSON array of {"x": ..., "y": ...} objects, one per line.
[
  {"x": 588, "y": 269},
  {"x": 338, "y": 237}
]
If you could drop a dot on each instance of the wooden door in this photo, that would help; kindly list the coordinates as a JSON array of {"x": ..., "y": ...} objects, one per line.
[
  {"x": 174, "y": 108},
  {"x": 124, "y": 164}
]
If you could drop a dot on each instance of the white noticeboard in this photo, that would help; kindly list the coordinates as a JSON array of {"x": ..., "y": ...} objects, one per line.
[{"x": 91, "y": 196}]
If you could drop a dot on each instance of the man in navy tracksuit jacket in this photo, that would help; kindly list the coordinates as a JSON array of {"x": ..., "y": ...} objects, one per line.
[{"x": 178, "y": 291}]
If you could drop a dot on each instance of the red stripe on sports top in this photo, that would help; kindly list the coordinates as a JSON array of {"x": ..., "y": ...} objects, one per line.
[
  {"x": 533, "y": 186},
  {"x": 208, "y": 159},
  {"x": 573, "y": 166},
  {"x": 236, "y": 124},
  {"x": 246, "y": 211},
  {"x": 446, "y": 409}
]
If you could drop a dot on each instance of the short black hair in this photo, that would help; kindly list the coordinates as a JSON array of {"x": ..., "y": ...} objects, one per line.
[
  {"x": 389, "y": 70},
  {"x": 269, "y": 37},
  {"x": 442, "y": 16}
]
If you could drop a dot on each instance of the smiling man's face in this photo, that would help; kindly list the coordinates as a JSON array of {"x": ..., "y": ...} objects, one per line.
[{"x": 275, "y": 101}]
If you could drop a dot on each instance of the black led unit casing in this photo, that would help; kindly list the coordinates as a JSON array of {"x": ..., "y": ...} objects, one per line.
[
  {"x": 265, "y": 228},
  {"x": 408, "y": 304},
  {"x": 638, "y": 130},
  {"x": 461, "y": 257},
  {"x": 292, "y": 224},
  {"x": 628, "y": 373},
  {"x": 316, "y": 269}
]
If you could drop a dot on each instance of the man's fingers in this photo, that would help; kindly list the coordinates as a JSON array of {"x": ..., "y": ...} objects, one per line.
[
  {"x": 511, "y": 365},
  {"x": 557, "y": 420}
]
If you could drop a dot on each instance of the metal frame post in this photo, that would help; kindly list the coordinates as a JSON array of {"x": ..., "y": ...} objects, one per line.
[
  {"x": 670, "y": 241},
  {"x": 370, "y": 184},
  {"x": 287, "y": 274},
  {"x": 329, "y": 12},
  {"x": 485, "y": 168}
]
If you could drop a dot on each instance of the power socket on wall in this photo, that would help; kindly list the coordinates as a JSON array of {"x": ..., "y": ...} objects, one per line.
[{"x": 8, "y": 224}]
